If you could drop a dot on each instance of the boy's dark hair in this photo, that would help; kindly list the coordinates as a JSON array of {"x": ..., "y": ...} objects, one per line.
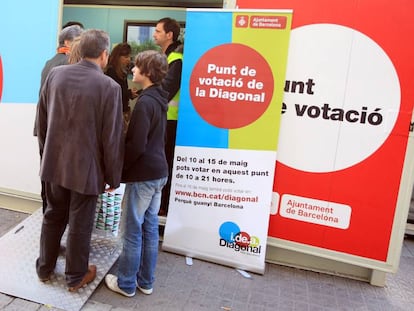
[
  {"x": 170, "y": 24},
  {"x": 152, "y": 64}
]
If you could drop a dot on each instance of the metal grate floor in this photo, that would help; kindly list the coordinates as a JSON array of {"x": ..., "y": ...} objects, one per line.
[{"x": 19, "y": 249}]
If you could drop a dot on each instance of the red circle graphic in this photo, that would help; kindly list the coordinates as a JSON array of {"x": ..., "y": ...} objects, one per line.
[{"x": 231, "y": 86}]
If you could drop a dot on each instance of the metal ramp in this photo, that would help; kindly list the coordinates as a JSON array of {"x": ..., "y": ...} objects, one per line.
[{"x": 19, "y": 249}]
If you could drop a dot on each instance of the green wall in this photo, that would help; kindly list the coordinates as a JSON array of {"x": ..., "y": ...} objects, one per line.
[{"x": 111, "y": 19}]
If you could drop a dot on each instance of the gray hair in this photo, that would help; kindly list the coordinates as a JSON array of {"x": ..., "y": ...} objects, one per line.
[
  {"x": 69, "y": 33},
  {"x": 93, "y": 42}
]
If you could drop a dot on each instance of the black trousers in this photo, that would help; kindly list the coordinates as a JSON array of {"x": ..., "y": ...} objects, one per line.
[
  {"x": 171, "y": 134},
  {"x": 64, "y": 207}
]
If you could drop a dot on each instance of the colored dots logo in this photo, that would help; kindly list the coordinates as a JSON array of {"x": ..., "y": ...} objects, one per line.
[
  {"x": 242, "y": 239},
  {"x": 228, "y": 230},
  {"x": 254, "y": 241},
  {"x": 231, "y": 233}
]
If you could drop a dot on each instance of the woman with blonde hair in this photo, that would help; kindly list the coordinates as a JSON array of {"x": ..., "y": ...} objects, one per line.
[{"x": 74, "y": 55}]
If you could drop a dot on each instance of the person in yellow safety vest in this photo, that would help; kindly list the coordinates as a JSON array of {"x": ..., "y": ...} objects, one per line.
[
  {"x": 166, "y": 34},
  {"x": 175, "y": 57}
]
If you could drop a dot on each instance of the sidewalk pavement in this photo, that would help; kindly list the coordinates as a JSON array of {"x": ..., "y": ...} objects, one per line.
[{"x": 206, "y": 286}]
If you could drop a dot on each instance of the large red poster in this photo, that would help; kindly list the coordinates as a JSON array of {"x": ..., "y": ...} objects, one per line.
[{"x": 348, "y": 103}]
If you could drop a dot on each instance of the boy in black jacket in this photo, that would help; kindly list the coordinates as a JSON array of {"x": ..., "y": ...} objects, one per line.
[{"x": 145, "y": 173}]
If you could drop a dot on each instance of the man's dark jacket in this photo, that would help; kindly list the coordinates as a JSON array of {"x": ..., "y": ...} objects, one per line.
[{"x": 80, "y": 129}]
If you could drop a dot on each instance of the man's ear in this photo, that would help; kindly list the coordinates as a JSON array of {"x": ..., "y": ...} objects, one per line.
[
  {"x": 104, "y": 53},
  {"x": 169, "y": 35},
  {"x": 103, "y": 58}
]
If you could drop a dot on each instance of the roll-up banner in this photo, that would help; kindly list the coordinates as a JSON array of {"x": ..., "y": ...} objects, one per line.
[
  {"x": 231, "y": 98},
  {"x": 346, "y": 116}
]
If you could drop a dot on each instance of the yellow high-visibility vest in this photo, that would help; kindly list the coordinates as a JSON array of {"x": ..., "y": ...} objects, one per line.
[{"x": 172, "y": 112}]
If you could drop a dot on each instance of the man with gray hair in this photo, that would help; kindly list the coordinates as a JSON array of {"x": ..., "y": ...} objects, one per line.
[
  {"x": 66, "y": 36},
  {"x": 80, "y": 126}
]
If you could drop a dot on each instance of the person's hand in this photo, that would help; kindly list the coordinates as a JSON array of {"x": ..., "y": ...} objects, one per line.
[
  {"x": 109, "y": 189},
  {"x": 134, "y": 92}
]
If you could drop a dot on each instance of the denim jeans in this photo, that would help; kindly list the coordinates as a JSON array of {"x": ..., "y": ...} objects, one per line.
[{"x": 139, "y": 254}]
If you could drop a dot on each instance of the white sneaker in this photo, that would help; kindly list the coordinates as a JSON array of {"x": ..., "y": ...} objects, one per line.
[
  {"x": 112, "y": 282},
  {"x": 144, "y": 290}
]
